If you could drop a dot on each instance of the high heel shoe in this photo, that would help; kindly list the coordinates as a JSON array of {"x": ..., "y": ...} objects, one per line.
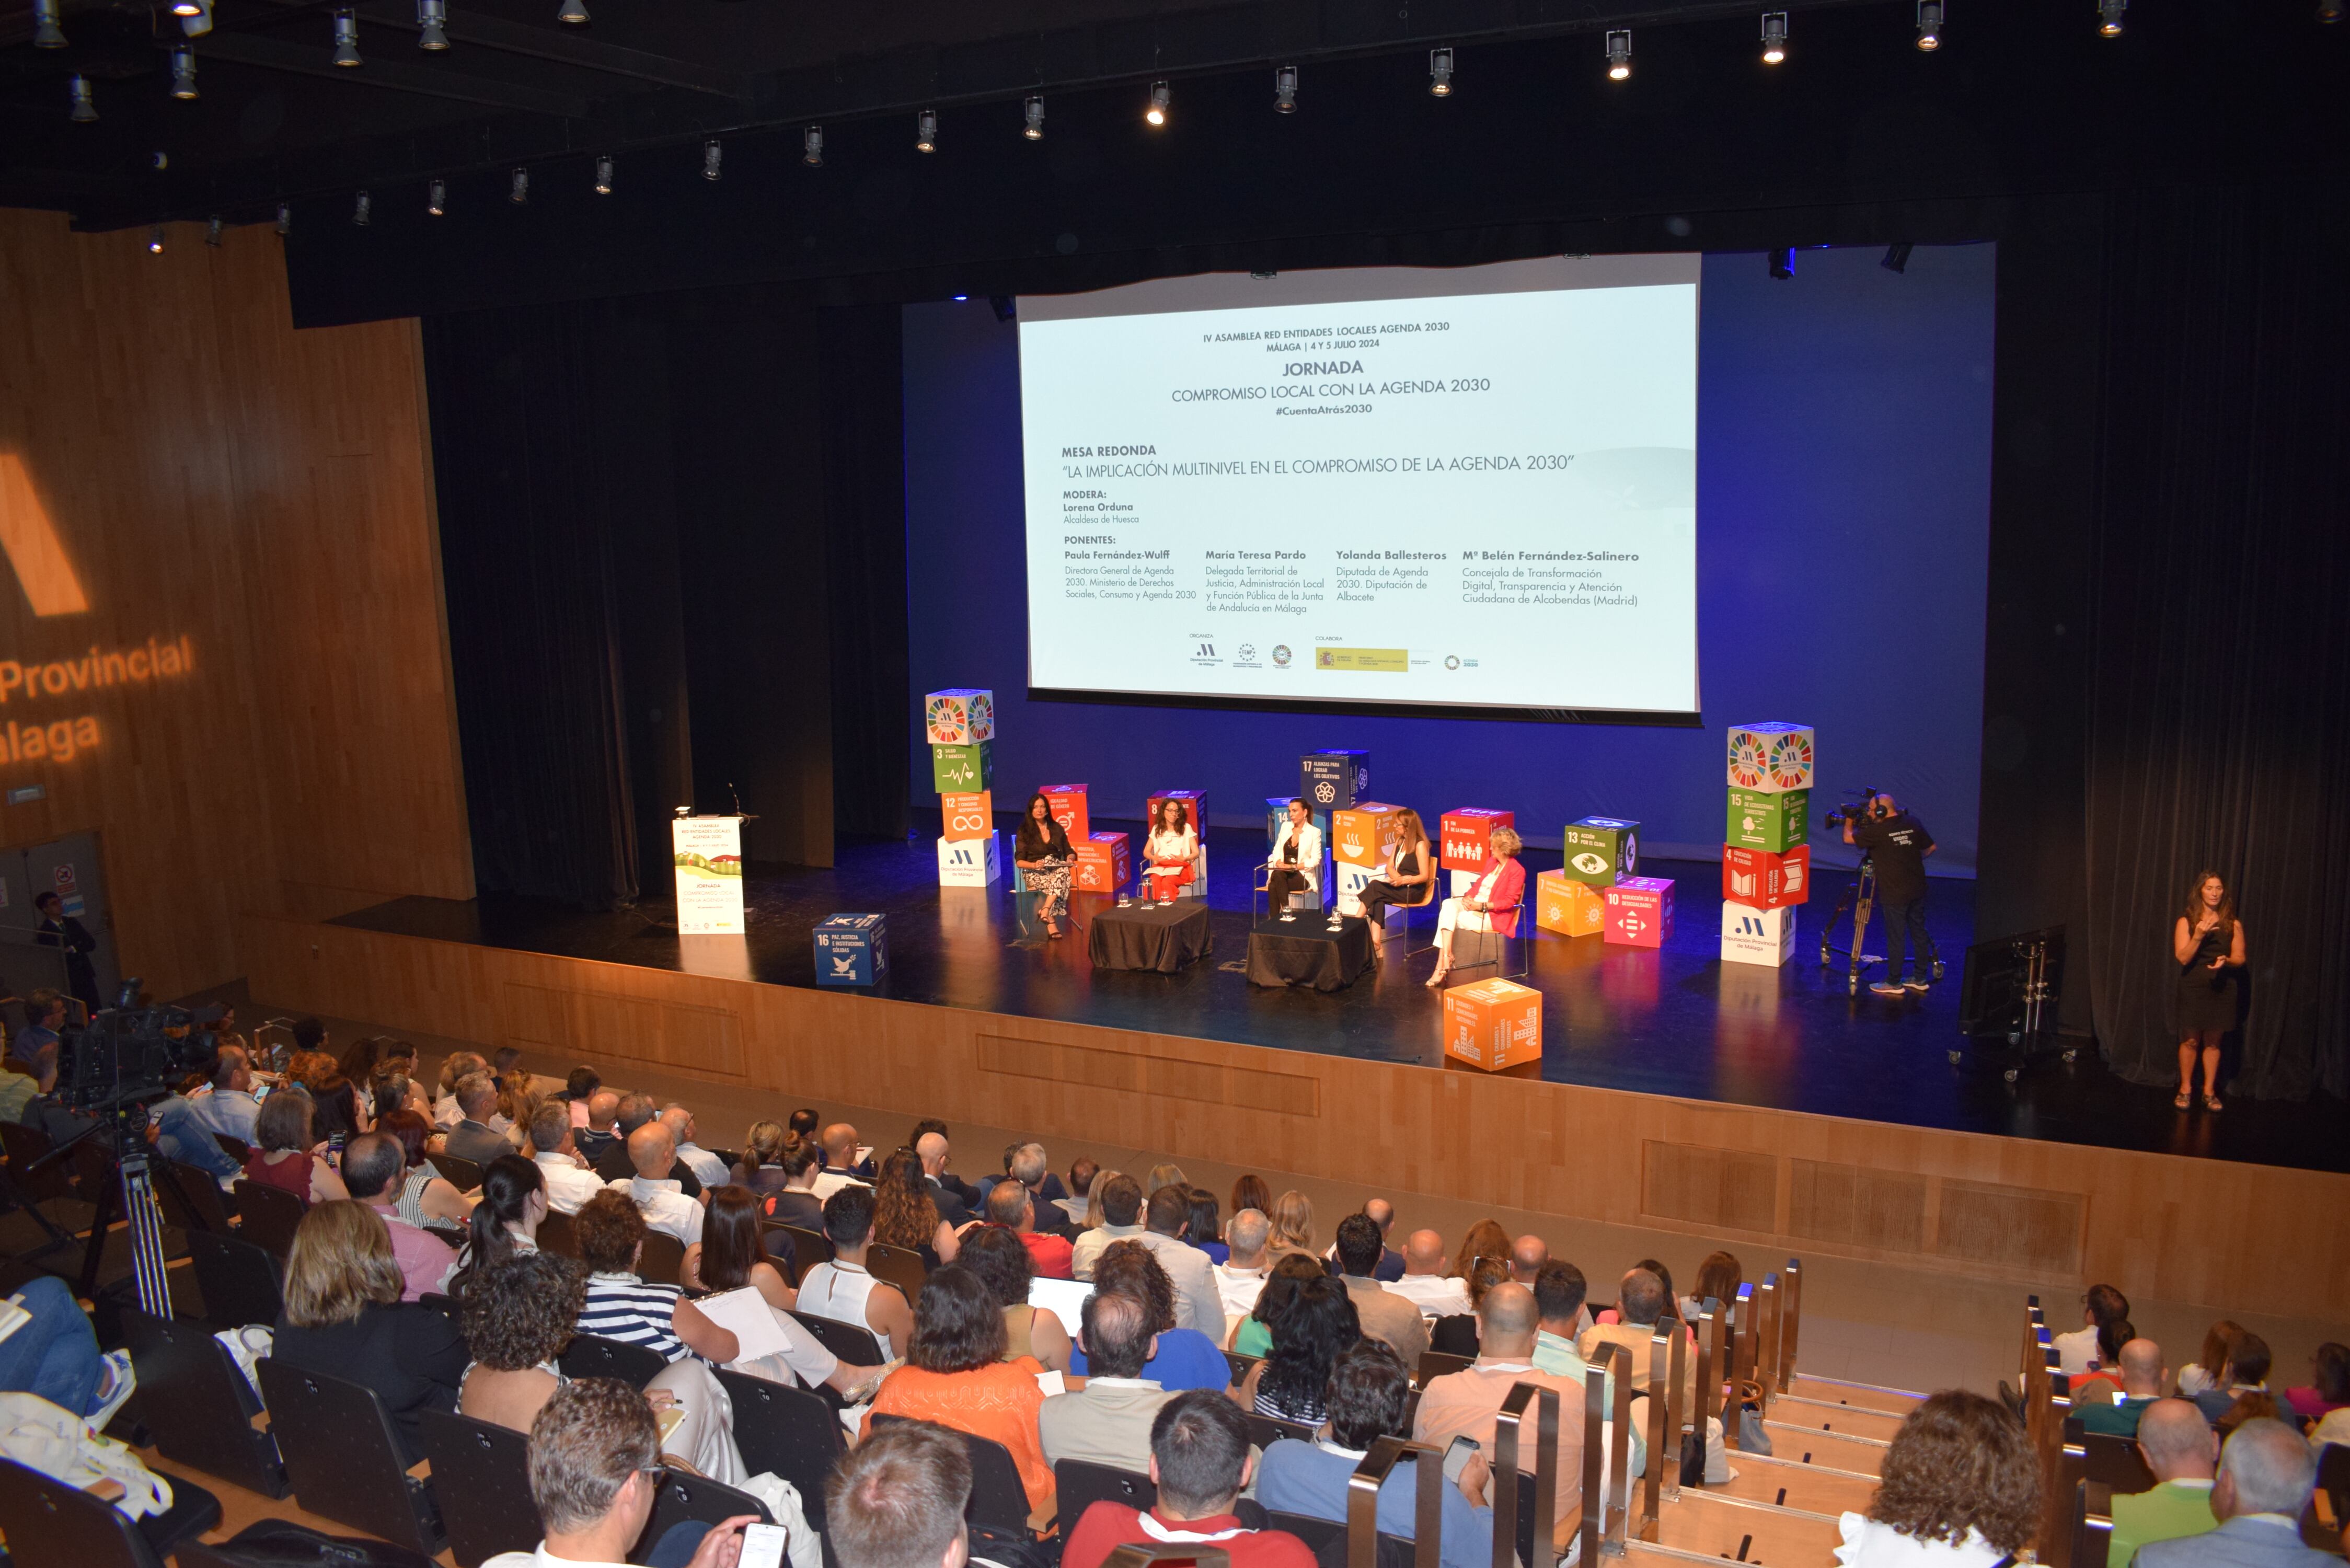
[{"x": 1437, "y": 978}]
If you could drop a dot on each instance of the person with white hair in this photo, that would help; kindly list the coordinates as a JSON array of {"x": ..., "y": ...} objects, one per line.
[
  {"x": 707, "y": 1167},
  {"x": 2266, "y": 1475},
  {"x": 2180, "y": 1448},
  {"x": 1240, "y": 1279}
]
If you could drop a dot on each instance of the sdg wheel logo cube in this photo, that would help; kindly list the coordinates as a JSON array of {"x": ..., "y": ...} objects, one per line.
[
  {"x": 1774, "y": 757},
  {"x": 958, "y": 717}
]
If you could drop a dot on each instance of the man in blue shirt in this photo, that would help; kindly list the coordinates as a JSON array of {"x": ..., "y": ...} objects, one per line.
[
  {"x": 1367, "y": 1386},
  {"x": 37, "y": 1044}
]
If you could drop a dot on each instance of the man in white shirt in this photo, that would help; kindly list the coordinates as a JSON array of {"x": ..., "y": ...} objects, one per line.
[
  {"x": 659, "y": 1199},
  {"x": 570, "y": 1182},
  {"x": 1295, "y": 865},
  {"x": 1242, "y": 1279},
  {"x": 2103, "y": 1305},
  {"x": 230, "y": 1107},
  {"x": 446, "y": 1111},
  {"x": 1429, "y": 1282},
  {"x": 839, "y": 1143},
  {"x": 707, "y": 1167}
]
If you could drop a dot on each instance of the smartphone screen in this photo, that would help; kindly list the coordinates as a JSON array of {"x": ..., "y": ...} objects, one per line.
[
  {"x": 762, "y": 1545},
  {"x": 1456, "y": 1458}
]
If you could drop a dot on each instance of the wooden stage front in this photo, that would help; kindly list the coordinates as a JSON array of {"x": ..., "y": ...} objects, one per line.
[{"x": 2047, "y": 1215}]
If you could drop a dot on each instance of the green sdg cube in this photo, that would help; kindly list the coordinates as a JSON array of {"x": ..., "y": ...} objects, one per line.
[
  {"x": 964, "y": 769},
  {"x": 1761, "y": 820},
  {"x": 1599, "y": 849}
]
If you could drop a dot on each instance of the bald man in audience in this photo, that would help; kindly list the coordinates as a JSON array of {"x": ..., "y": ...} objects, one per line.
[
  {"x": 1527, "y": 1255},
  {"x": 1464, "y": 1403},
  {"x": 654, "y": 1192},
  {"x": 597, "y": 1135},
  {"x": 839, "y": 1141},
  {"x": 1428, "y": 1281},
  {"x": 1240, "y": 1279},
  {"x": 946, "y": 1193},
  {"x": 1012, "y": 1206},
  {"x": 2267, "y": 1472},
  {"x": 2179, "y": 1447},
  {"x": 1639, "y": 1303},
  {"x": 2143, "y": 1376}
]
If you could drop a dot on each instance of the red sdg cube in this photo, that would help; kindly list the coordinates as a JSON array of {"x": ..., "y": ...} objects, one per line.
[
  {"x": 1466, "y": 837},
  {"x": 1068, "y": 805},
  {"x": 1103, "y": 864},
  {"x": 1762, "y": 880},
  {"x": 1639, "y": 911}
]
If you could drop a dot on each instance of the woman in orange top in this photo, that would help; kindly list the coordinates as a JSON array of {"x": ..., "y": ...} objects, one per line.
[{"x": 955, "y": 1375}]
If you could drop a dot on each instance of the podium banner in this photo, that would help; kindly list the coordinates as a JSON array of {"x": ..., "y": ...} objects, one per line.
[{"x": 708, "y": 855}]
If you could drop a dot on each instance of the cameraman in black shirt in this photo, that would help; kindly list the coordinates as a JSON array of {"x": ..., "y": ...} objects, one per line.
[{"x": 1897, "y": 845}]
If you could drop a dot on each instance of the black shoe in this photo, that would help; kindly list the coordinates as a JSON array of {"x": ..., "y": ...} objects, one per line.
[
  {"x": 1916, "y": 982},
  {"x": 2011, "y": 1399}
]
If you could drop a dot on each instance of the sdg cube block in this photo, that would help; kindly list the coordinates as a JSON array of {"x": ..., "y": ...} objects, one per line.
[
  {"x": 1761, "y": 820},
  {"x": 968, "y": 815},
  {"x": 960, "y": 716},
  {"x": 1601, "y": 850},
  {"x": 1765, "y": 881},
  {"x": 1492, "y": 1025},
  {"x": 1348, "y": 880},
  {"x": 1570, "y": 907},
  {"x": 851, "y": 949},
  {"x": 1750, "y": 935},
  {"x": 1276, "y": 820},
  {"x": 1329, "y": 780},
  {"x": 1465, "y": 839},
  {"x": 964, "y": 768},
  {"x": 1103, "y": 863},
  {"x": 1773, "y": 758},
  {"x": 970, "y": 862},
  {"x": 1195, "y": 811},
  {"x": 1639, "y": 911},
  {"x": 1360, "y": 835},
  {"x": 1068, "y": 805}
]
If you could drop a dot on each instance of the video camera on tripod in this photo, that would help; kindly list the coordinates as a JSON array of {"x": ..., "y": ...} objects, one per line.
[{"x": 1858, "y": 805}]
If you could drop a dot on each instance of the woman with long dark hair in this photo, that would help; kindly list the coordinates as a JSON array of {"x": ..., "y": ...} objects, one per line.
[
  {"x": 904, "y": 1214},
  {"x": 505, "y": 1221},
  {"x": 1041, "y": 851},
  {"x": 733, "y": 1252},
  {"x": 2208, "y": 941},
  {"x": 1292, "y": 1381},
  {"x": 1409, "y": 867},
  {"x": 1169, "y": 853}
]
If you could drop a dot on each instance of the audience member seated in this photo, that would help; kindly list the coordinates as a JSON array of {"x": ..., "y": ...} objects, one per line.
[
  {"x": 795, "y": 1203},
  {"x": 2329, "y": 1389},
  {"x": 2253, "y": 1406},
  {"x": 555, "y": 1151},
  {"x": 1003, "y": 1265},
  {"x": 1639, "y": 1303},
  {"x": 1381, "y": 1213},
  {"x": 842, "y": 1164},
  {"x": 2266, "y": 1475},
  {"x": 597, "y": 1132},
  {"x": 1718, "y": 1279},
  {"x": 1485, "y": 1238},
  {"x": 343, "y": 1316},
  {"x": 1107, "y": 1420},
  {"x": 897, "y": 1500},
  {"x": 1117, "y": 1216},
  {"x": 517, "y": 1317},
  {"x": 1367, "y": 1388},
  {"x": 373, "y": 1164},
  {"x": 1293, "y": 1226},
  {"x": 454, "y": 1066},
  {"x": 955, "y": 1375},
  {"x": 20, "y": 1085},
  {"x": 1240, "y": 1278},
  {"x": 906, "y": 1212},
  {"x": 707, "y": 1167},
  {"x": 760, "y": 1169},
  {"x": 230, "y": 1108},
  {"x": 2247, "y": 1373},
  {"x": 35, "y": 1045},
  {"x": 1012, "y": 1206},
  {"x": 426, "y": 1197},
  {"x": 178, "y": 1131},
  {"x": 658, "y": 1196},
  {"x": 504, "y": 1223},
  {"x": 732, "y": 1253},
  {"x": 1312, "y": 1327},
  {"x": 54, "y": 1354},
  {"x": 2103, "y": 1305},
  {"x": 614, "y": 1162},
  {"x": 1960, "y": 1489},
  {"x": 334, "y": 1095},
  {"x": 1465, "y": 1403},
  {"x": 1527, "y": 1255},
  {"x": 1078, "y": 1205},
  {"x": 1457, "y": 1335},
  {"x": 1253, "y": 1336},
  {"x": 1385, "y": 1317},
  {"x": 1200, "y": 1461},
  {"x": 844, "y": 1289},
  {"x": 2102, "y": 1384},
  {"x": 1183, "y": 1358},
  {"x": 2178, "y": 1446},
  {"x": 1166, "y": 1173},
  {"x": 1205, "y": 1228},
  {"x": 280, "y": 1156},
  {"x": 1560, "y": 1291},
  {"x": 948, "y": 1195},
  {"x": 595, "y": 1458},
  {"x": 1032, "y": 1169},
  {"x": 2142, "y": 1375},
  {"x": 1167, "y": 1222},
  {"x": 473, "y": 1138},
  {"x": 579, "y": 1086},
  {"x": 1428, "y": 1281}
]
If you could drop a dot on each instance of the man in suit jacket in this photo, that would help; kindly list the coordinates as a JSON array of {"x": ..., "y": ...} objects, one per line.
[
  {"x": 1108, "y": 1422},
  {"x": 931, "y": 1148},
  {"x": 2267, "y": 1471},
  {"x": 473, "y": 1138}
]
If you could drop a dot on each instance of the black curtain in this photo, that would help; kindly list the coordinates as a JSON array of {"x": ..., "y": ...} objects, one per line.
[
  {"x": 2218, "y": 680},
  {"x": 865, "y": 497}
]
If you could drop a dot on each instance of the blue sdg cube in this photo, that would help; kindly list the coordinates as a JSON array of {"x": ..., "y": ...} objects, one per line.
[
  {"x": 851, "y": 949},
  {"x": 1335, "y": 781}
]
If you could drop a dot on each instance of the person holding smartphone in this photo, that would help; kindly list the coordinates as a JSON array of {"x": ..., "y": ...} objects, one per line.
[{"x": 2207, "y": 944}]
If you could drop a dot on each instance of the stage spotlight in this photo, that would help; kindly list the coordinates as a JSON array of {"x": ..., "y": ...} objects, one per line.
[
  {"x": 1034, "y": 127},
  {"x": 2327, "y": 10},
  {"x": 85, "y": 105},
  {"x": 1620, "y": 55},
  {"x": 436, "y": 198},
  {"x": 362, "y": 209},
  {"x": 926, "y": 132},
  {"x": 1284, "y": 89},
  {"x": 284, "y": 219},
  {"x": 1002, "y": 305},
  {"x": 1774, "y": 36},
  {"x": 2110, "y": 16},
  {"x": 431, "y": 19},
  {"x": 812, "y": 147},
  {"x": 1782, "y": 261},
  {"x": 604, "y": 174},
  {"x": 959, "y": 298},
  {"x": 187, "y": 8},
  {"x": 573, "y": 12},
  {"x": 346, "y": 39},
  {"x": 184, "y": 73},
  {"x": 712, "y": 159},
  {"x": 1439, "y": 73},
  {"x": 213, "y": 229},
  {"x": 46, "y": 34},
  {"x": 196, "y": 19},
  {"x": 1160, "y": 96},
  {"x": 1929, "y": 25},
  {"x": 155, "y": 240},
  {"x": 1897, "y": 257}
]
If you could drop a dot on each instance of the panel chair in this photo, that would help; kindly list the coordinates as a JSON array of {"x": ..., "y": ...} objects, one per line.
[
  {"x": 194, "y": 1398},
  {"x": 491, "y": 1511},
  {"x": 344, "y": 1457},
  {"x": 1480, "y": 943}
]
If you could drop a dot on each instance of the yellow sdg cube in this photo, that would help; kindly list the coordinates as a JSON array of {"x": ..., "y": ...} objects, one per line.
[
  {"x": 1567, "y": 906},
  {"x": 1492, "y": 1025}
]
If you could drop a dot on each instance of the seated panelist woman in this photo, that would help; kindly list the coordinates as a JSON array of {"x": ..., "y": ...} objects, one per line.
[
  {"x": 1409, "y": 870},
  {"x": 1041, "y": 852},
  {"x": 1490, "y": 904},
  {"x": 1169, "y": 852},
  {"x": 1295, "y": 863}
]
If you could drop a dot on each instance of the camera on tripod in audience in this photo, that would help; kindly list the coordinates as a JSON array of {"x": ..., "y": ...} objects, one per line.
[
  {"x": 127, "y": 1054},
  {"x": 1858, "y": 805}
]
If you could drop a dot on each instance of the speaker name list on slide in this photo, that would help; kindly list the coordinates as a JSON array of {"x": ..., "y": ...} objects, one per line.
[{"x": 1481, "y": 499}]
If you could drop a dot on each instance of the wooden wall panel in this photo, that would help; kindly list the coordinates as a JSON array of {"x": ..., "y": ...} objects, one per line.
[
  {"x": 2170, "y": 1228},
  {"x": 213, "y": 474},
  {"x": 1884, "y": 1212}
]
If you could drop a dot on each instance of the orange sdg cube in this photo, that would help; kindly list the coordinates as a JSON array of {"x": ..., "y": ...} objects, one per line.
[
  {"x": 968, "y": 815},
  {"x": 1068, "y": 805},
  {"x": 1492, "y": 1025},
  {"x": 1103, "y": 864},
  {"x": 1571, "y": 909}
]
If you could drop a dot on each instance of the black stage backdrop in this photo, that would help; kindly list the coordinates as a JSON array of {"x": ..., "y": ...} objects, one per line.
[{"x": 672, "y": 529}]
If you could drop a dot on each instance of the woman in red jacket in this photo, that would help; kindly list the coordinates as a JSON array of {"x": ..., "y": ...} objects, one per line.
[{"x": 1490, "y": 904}]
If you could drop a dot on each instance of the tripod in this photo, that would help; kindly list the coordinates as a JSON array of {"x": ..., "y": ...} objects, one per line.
[
  {"x": 133, "y": 1192},
  {"x": 1857, "y": 899}
]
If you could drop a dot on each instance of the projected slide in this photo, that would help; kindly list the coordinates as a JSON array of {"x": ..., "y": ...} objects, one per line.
[{"x": 1472, "y": 489}]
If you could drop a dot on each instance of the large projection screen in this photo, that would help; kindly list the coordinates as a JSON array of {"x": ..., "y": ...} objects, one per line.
[{"x": 1387, "y": 489}]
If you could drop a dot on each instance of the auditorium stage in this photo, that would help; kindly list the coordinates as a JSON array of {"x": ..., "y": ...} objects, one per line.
[{"x": 1675, "y": 1023}]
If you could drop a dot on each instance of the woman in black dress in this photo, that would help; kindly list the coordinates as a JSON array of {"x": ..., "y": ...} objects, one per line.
[
  {"x": 1405, "y": 878},
  {"x": 2208, "y": 941},
  {"x": 1041, "y": 853}
]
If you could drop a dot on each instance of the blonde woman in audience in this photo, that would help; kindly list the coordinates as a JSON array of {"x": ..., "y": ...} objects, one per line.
[
  {"x": 1165, "y": 1174},
  {"x": 760, "y": 1169},
  {"x": 1960, "y": 1489},
  {"x": 517, "y": 1102},
  {"x": 447, "y": 1112},
  {"x": 1093, "y": 1220},
  {"x": 1292, "y": 1225}
]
